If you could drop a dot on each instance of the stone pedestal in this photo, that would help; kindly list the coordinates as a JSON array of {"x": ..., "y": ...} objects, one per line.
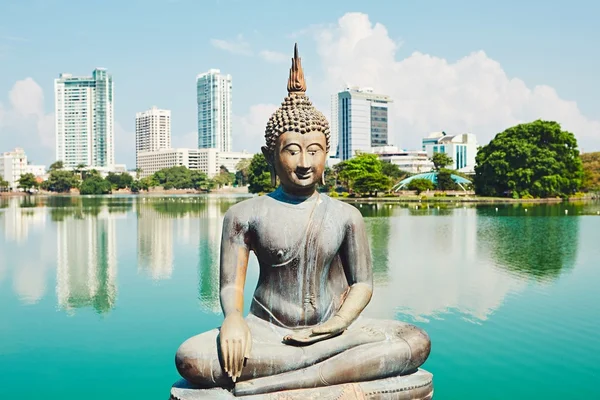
[{"x": 416, "y": 386}]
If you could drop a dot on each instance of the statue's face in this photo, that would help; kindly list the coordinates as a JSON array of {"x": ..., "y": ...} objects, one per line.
[{"x": 299, "y": 159}]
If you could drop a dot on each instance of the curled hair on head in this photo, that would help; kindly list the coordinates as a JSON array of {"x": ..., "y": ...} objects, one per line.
[{"x": 297, "y": 113}]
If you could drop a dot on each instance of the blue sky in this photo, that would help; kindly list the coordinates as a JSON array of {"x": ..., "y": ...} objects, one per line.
[{"x": 456, "y": 66}]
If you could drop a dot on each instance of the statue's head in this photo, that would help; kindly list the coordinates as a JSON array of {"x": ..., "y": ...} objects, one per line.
[{"x": 297, "y": 136}]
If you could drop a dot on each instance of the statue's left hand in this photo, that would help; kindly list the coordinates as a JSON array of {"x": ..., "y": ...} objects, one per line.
[
  {"x": 330, "y": 328},
  {"x": 334, "y": 325}
]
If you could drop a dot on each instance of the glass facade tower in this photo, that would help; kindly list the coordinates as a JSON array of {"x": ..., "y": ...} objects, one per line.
[{"x": 214, "y": 110}]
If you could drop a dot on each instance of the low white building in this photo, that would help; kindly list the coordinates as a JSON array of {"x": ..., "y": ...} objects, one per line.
[
  {"x": 412, "y": 161},
  {"x": 462, "y": 148},
  {"x": 13, "y": 164},
  {"x": 208, "y": 161},
  {"x": 230, "y": 159},
  {"x": 38, "y": 171}
]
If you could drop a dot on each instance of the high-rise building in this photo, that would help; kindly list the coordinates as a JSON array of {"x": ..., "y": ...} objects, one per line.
[
  {"x": 362, "y": 121},
  {"x": 333, "y": 128},
  {"x": 214, "y": 110},
  {"x": 84, "y": 119},
  {"x": 152, "y": 131}
]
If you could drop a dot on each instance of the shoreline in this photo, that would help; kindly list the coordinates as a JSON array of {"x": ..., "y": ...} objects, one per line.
[
  {"x": 386, "y": 200},
  {"x": 481, "y": 200}
]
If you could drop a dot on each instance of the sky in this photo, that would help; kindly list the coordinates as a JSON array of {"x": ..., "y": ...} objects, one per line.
[{"x": 460, "y": 66}]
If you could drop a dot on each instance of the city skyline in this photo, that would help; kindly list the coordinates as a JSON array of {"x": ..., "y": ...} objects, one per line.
[{"x": 455, "y": 68}]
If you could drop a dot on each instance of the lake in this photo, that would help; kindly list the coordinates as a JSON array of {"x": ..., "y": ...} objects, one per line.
[{"x": 97, "y": 293}]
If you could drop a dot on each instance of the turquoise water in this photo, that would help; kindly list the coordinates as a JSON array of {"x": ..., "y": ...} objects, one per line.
[{"x": 96, "y": 294}]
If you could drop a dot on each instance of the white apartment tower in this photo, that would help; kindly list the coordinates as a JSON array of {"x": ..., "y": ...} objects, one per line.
[
  {"x": 152, "y": 131},
  {"x": 362, "y": 121},
  {"x": 214, "y": 110},
  {"x": 84, "y": 119}
]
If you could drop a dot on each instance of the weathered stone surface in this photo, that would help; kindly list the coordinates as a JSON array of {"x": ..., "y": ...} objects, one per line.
[
  {"x": 416, "y": 386},
  {"x": 304, "y": 336}
]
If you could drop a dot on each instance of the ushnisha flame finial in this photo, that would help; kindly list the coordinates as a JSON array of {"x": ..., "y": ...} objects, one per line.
[
  {"x": 296, "y": 113},
  {"x": 296, "y": 83}
]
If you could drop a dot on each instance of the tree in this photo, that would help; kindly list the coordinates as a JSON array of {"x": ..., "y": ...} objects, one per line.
[
  {"x": 536, "y": 158},
  {"x": 114, "y": 179},
  {"x": 135, "y": 187},
  {"x": 591, "y": 171},
  {"x": 441, "y": 160},
  {"x": 372, "y": 183},
  {"x": 420, "y": 185},
  {"x": 241, "y": 175},
  {"x": 330, "y": 180},
  {"x": 28, "y": 182},
  {"x": 3, "y": 184},
  {"x": 200, "y": 180},
  {"x": 445, "y": 181},
  {"x": 224, "y": 178},
  {"x": 119, "y": 181},
  {"x": 79, "y": 169},
  {"x": 57, "y": 165},
  {"x": 95, "y": 184},
  {"x": 148, "y": 182},
  {"x": 361, "y": 165},
  {"x": 60, "y": 181},
  {"x": 138, "y": 171},
  {"x": 391, "y": 170},
  {"x": 125, "y": 180},
  {"x": 259, "y": 178},
  {"x": 174, "y": 177}
]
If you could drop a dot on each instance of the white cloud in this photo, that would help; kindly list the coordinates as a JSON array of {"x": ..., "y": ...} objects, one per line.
[
  {"x": 239, "y": 45},
  {"x": 27, "y": 98},
  {"x": 274, "y": 56},
  {"x": 24, "y": 122},
  {"x": 472, "y": 94},
  {"x": 249, "y": 129}
]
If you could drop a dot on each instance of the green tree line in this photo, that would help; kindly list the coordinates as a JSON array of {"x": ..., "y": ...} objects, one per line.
[{"x": 61, "y": 180}]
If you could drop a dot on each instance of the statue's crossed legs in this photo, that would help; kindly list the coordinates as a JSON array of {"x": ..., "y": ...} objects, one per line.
[{"x": 369, "y": 349}]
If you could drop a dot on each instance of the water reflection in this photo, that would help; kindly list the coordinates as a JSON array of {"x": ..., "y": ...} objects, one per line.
[
  {"x": 428, "y": 259},
  {"x": 435, "y": 267},
  {"x": 19, "y": 224},
  {"x": 20, "y": 218},
  {"x": 154, "y": 242},
  {"x": 208, "y": 257},
  {"x": 188, "y": 214},
  {"x": 539, "y": 242},
  {"x": 86, "y": 270}
]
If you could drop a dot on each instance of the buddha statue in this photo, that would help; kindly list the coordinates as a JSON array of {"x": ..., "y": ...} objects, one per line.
[{"x": 304, "y": 336}]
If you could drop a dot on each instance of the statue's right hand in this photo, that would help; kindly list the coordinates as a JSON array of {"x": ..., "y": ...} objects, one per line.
[{"x": 236, "y": 343}]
